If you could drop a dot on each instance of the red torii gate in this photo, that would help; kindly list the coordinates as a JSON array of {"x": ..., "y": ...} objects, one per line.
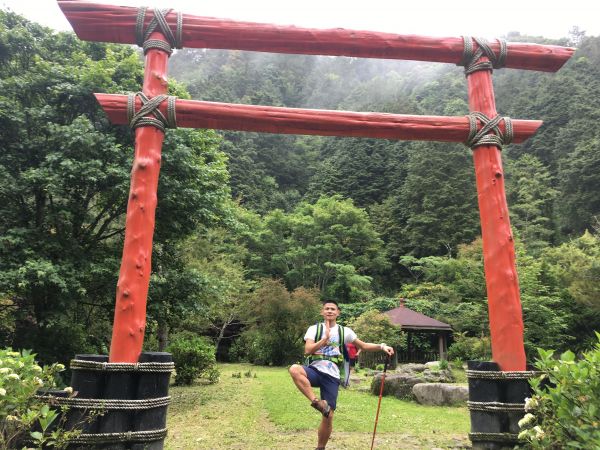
[{"x": 158, "y": 31}]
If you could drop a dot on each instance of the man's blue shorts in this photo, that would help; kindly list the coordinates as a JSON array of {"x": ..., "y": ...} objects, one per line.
[{"x": 328, "y": 384}]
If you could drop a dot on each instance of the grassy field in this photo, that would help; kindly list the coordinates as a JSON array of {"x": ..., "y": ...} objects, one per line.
[{"x": 263, "y": 410}]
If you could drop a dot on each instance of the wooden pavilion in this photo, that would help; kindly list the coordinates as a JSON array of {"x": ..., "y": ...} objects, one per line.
[{"x": 412, "y": 323}]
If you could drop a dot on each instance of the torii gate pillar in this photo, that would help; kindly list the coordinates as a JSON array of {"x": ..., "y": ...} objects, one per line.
[
  {"x": 504, "y": 304},
  {"x": 136, "y": 264}
]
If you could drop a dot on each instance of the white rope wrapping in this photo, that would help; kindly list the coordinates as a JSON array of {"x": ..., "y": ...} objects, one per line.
[
  {"x": 159, "y": 20},
  {"x": 100, "y": 403},
  {"x": 498, "y": 375},
  {"x": 483, "y": 136},
  {"x": 128, "y": 436},
  {"x": 496, "y": 406},
  {"x": 494, "y": 437},
  {"x": 122, "y": 367}
]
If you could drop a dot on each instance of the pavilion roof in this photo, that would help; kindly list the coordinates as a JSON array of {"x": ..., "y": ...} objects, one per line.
[{"x": 412, "y": 320}]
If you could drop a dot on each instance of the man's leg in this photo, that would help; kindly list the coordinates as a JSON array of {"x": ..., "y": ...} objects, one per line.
[
  {"x": 325, "y": 430},
  {"x": 301, "y": 381}
]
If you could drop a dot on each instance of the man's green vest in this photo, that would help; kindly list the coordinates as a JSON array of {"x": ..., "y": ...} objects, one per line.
[{"x": 338, "y": 359}]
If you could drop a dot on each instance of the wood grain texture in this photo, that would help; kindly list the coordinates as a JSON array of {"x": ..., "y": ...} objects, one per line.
[
  {"x": 134, "y": 275},
  {"x": 504, "y": 300},
  {"x": 269, "y": 119},
  {"x": 107, "y": 23}
]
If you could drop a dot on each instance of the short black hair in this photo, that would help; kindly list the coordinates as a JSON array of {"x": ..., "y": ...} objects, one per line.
[{"x": 331, "y": 301}]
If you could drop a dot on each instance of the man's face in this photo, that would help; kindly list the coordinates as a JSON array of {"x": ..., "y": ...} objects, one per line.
[{"x": 330, "y": 311}]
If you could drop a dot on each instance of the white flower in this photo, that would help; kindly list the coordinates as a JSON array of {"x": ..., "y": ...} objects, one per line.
[
  {"x": 20, "y": 364},
  {"x": 531, "y": 404},
  {"x": 9, "y": 418},
  {"x": 527, "y": 419},
  {"x": 539, "y": 433},
  {"x": 59, "y": 367},
  {"x": 522, "y": 435},
  {"x": 2, "y": 391},
  {"x": 5, "y": 370},
  {"x": 13, "y": 353},
  {"x": 13, "y": 376},
  {"x": 36, "y": 368},
  {"x": 38, "y": 381},
  {"x": 68, "y": 390}
]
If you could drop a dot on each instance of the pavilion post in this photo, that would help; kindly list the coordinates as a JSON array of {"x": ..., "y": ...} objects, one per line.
[{"x": 442, "y": 345}]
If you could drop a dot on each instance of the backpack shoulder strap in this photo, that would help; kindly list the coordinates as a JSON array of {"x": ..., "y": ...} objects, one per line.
[
  {"x": 319, "y": 333},
  {"x": 343, "y": 349}
]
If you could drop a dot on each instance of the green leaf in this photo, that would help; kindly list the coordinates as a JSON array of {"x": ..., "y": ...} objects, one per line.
[{"x": 37, "y": 436}]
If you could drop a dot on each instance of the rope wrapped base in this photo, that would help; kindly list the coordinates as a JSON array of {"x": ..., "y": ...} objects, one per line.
[
  {"x": 503, "y": 438},
  {"x": 117, "y": 406},
  {"x": 129, "y": 436},
  {"x": 496, "y": 404}
]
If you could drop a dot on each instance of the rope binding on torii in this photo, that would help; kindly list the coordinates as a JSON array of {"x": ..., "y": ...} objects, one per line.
[
  {"x": 471, "y": 61},
  {"x": 481, "y": 137},
  {"x": 150, "y": 107},
  {"x": 159, "y": 20}
]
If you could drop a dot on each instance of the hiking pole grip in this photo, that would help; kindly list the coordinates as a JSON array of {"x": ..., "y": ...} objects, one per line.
[{"x": 385, "y": 366}]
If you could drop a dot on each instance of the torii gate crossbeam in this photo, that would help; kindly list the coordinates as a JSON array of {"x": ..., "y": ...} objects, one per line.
[
  {"x": 108, "y": 23},
  {"x": 272, "y": 119}
]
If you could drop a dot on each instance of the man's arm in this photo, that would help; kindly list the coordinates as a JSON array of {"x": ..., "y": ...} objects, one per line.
[
  {"x": 310, "y": 346},
  {"x": 369, "y": 347}
]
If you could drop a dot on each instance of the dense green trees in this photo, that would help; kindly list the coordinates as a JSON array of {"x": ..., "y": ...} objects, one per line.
[
  {"x": 64, "y": 182},
  {"x": 277, "y": 321},
  {"x": 329, "y": 245}
]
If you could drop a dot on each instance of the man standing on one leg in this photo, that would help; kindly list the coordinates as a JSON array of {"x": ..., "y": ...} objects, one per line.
[{"x": 325, "y": 355}]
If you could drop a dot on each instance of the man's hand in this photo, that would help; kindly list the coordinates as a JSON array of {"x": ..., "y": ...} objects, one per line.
[
  {"x": 387, "y": 349},
  {"x": 327, "y": 333}
]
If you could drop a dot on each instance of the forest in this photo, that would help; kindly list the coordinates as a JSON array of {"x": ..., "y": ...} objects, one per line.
[{"x": 252, "y": 230}]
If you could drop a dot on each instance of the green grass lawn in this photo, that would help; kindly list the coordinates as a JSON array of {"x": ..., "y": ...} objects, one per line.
[{"x": 265, "y": 411}]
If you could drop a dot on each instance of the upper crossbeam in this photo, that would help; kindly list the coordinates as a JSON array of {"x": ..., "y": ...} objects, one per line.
[{"x": 108, "y": 23}]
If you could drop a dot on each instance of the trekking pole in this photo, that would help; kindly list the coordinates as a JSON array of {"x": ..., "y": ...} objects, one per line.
[{"x": 387, "y": 360}]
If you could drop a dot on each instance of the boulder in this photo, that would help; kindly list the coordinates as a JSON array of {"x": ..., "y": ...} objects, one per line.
[
  {"x": 432, "y": 364},
  {"x": 400, "y": 382},
  {"x": 438, "y": 376},
  {"x": 411, "y": 367},
  {"x": 397, "y": 384},
  {"x": 430, "y": 372},
  {"x": 440, "y": 394}
]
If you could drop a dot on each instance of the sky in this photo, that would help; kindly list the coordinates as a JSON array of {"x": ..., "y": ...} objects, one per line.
[{"x": 446, "y": 18}]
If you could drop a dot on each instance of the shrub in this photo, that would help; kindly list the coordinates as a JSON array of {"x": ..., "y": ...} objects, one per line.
[
  {"x": 564, "y": 410},
  {"x": 194, "y": 357},
  {"x": 277, "y": 321},
  {"x": 467, "y": 348},
  {"x": 20, "y": 411},
  {"x": 373, "y": 326}
]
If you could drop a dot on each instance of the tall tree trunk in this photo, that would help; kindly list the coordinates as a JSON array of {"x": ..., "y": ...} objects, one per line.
[
  {"x": 222, "y": 332},
  {"x": 163, "y": 336}
]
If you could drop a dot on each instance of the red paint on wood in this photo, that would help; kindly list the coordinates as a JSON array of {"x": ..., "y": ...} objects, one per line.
[
  {"x": 505, "y": 314},
  {"x": 226, "y": 116},
  {"x": 134, "y": 276},
  {"x": 98, "y": 22}
]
